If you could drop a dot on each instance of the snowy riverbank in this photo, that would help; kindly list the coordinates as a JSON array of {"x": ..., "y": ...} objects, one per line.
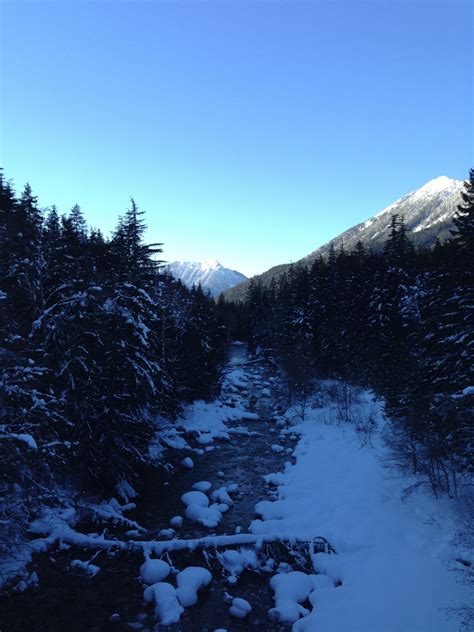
[
  {"x": 327, "y": 541},
  {"x": 396, "y": 558}
]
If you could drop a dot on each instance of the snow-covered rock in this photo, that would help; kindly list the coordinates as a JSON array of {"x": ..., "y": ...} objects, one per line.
[
  {"x": 195, "y": 498},
  {"x": 291, "y": 589},
  {"x": 167, "y": 606},
  {"x": 202, "y": 486},
  {"x": 190, "y": 581},
  {"x": 221, "y": 496},
  {"x": 198, "y": 510},
  {"x": 240, "y": 608},
  {"x": 153, "y": 571},
  {"x": 176, "y": 521}
]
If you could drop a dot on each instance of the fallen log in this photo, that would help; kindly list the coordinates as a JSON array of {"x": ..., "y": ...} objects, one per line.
[{"x": 159, "y": 547}]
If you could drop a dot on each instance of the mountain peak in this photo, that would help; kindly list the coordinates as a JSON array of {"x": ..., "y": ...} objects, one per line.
[
  {"x": 428, "y": 213},
  {"x": 436, "y": 185},
  {"x": 210, "y": 275},
  {"x": 211, "y": 264}
]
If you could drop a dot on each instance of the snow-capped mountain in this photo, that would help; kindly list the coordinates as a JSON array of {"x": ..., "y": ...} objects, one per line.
[
  {"x": 428, "y": 214},
  {"x": 210, "y": 274}
]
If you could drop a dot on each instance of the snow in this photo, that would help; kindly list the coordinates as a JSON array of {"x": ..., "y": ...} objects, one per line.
[
  {"x": 221, "y": 496},
  {"x": 166, "y": 533},
  {"x": 153, "y": 571},
  {"x": 291, "y": 589},
  {"x": 195, "y": 498},
  {"x": 211, "y": 275},
  {"x": 25, "y": 438},
  {"x": 125, "y": 491},
  {"x": 176, "y": 521},
  {"x": 391, "y": 568},
  {"x": 207, "y": 516},
  {"x": 275, "y": 478},
  {"x": 393, "y": 553},
  {"x": 437, "y": 185},
  {"x": 236, "y": 561},
  {"x": 190, "y": 581},
  {"x": 198, "y": 510},
  {"x": 250, "y": 416},
  {"x": 208, "y": 419},
  {"x": 202, "y": 486},
  {"x": 167, "y": 606},
  {"x": 86, "y": 567},
  {"x": 240, "y": 608}
]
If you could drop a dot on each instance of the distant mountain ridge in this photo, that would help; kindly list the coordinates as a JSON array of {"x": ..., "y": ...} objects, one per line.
[
  {"x": 211, "y": 275},
  {"x": 428, "y": 214}
]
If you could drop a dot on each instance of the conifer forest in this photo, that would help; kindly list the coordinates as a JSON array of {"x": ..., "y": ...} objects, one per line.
[
  {"x": 118, "y": 381},
  {"x": 236, "y": 316}
]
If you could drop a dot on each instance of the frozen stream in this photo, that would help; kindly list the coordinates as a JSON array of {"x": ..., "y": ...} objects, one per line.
[{"x": 66, "y": 600}]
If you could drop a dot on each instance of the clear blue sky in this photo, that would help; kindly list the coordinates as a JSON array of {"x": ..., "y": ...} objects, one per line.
[{"x": 251, "y": 132}]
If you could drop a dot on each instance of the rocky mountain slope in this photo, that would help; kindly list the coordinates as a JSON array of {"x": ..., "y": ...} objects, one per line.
[{"x": 428, "y": 214}]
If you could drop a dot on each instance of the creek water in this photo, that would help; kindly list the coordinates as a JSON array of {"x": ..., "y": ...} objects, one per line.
[{"x": 69, "y": 602}]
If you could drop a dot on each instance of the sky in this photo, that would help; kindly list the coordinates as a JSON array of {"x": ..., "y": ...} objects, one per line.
[{"x": 251, "y": 132}]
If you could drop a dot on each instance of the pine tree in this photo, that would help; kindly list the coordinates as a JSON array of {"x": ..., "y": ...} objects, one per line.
[{"x": 463, "y": 232}]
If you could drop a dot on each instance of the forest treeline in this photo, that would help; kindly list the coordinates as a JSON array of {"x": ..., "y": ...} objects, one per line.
[
  {"x": 96, "y": 343},
  {"x": 400, "y": 322}
]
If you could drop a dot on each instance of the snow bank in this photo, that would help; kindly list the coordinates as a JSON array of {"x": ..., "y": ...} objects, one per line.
[{"x": 393, "y": 556}]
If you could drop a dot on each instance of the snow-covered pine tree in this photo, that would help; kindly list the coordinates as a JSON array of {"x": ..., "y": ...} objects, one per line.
[{"x": 446, "y": 344}]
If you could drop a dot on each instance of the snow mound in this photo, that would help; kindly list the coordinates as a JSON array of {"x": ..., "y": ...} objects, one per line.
[
  {"x": 240, "y": 608},
  {"x": 176, "y": 521},
  {"x": 195, "y": 498},
  {"x": 198, "y": 510},
  {"x": 221, "y": 496},
  {"x": 167, "y": 606},
  {"x": 291, "y": 589},
  {"x": 202, "y": 486},
  {"x": 236, "y": 561},
  {"x": 154, "y": 571},
  {"x": 190, "y": 581}
]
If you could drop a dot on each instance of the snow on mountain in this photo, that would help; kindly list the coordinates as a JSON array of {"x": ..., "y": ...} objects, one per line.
[
  {"x": 427, "y": 211},
  {"x": 212, "y": 275},
  {"x": 428, "y": 214}
]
